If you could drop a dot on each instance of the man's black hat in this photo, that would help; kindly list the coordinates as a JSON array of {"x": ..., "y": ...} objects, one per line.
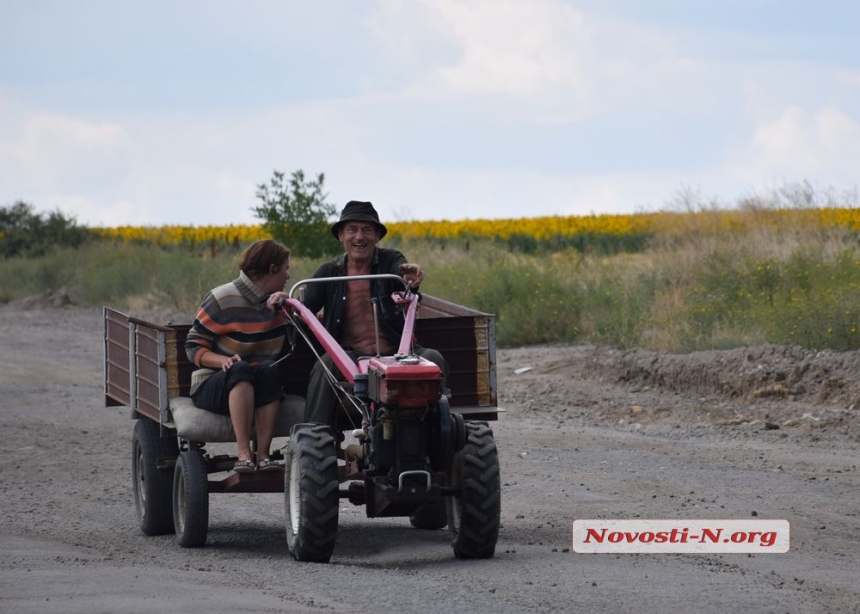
[{"x": 358, "y": 211}]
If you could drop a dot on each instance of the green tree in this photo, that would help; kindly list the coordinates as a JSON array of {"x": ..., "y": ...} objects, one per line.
[
  {"x": 23, "y": 232},
  {"x": 296, "y": 213}
]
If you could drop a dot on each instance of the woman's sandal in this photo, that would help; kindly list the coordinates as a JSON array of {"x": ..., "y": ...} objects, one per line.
[
  {"x": 244, "y": 466},
  {"x": 267, "y": 464}
]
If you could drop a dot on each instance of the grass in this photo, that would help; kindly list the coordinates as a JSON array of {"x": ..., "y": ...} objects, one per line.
[
  {"x": 126, "y": 276},
  {"x": 695, "y": 285}
]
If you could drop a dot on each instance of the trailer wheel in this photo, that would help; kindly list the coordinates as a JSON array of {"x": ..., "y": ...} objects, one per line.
[
  {"x": 152, "y": 486},
  {"x": 431, "y": 516},
  {"x": 311, "y": 497},
  {"x": 473, "y": 517},
  {"x": 191, "y": 500}
]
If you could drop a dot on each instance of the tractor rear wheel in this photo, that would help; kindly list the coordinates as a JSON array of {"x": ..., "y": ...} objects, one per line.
[
  {"x": 311, "y": 493},
  {"x": 474, "y": 515}
]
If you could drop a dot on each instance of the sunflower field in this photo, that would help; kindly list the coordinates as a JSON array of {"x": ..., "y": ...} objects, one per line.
[{"x": 593, "y": 233}]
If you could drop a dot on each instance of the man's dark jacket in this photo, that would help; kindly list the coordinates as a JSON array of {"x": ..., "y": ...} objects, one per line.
[{"x": 332, "y": 296}]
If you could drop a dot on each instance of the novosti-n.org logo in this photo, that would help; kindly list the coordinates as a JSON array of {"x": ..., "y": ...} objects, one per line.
[{"x": 681, "y": 536}]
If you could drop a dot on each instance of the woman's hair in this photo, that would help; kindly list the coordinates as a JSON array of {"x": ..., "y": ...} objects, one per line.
[{"x": 259, "y": 257}]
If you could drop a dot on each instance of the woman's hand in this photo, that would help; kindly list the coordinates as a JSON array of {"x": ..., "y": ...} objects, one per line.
[
  {"x": 275, "y": 298},
  {"x": 228, "y": 361}
]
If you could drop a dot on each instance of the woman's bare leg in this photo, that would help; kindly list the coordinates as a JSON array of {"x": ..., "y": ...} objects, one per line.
[
  {"x": 267, "y": 419},
  {"x": 241, "y": 402}
]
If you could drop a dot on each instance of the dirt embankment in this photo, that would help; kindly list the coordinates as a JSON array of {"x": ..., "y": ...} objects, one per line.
[{"x": 769, "y": 386}]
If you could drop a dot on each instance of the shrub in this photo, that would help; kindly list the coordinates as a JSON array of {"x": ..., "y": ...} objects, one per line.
[
  {"x": 23, "y": 232},
  {"x": 297, "y": 214}
]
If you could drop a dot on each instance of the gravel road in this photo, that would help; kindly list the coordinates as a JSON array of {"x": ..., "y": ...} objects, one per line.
[{"x": 589, "y": 432}]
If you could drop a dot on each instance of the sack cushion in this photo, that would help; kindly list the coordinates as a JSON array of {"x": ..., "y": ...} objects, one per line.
[{"x": 195, "y": 424}]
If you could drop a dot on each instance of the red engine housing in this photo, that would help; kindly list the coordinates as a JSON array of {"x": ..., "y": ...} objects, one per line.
[{"x": 403, "y": 382}]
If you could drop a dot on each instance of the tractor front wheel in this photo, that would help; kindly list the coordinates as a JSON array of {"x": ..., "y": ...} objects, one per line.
[
  {"x": 474, "y": 515},
  {"x": 311, "y": 497}
]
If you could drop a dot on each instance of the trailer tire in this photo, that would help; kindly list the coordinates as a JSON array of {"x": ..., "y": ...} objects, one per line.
[
  {"x": 152, "y": 486},
  {"x": 474, "y": 515},
  {"x": 431, "y": 516},
  {"x": 191, "y": 499},
  {"x": 311, "y": 493}
]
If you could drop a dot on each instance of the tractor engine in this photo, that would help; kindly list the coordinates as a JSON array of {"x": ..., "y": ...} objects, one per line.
[{"x": 404, "y": 391}]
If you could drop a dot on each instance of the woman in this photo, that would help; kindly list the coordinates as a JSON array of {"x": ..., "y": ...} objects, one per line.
[{"x": 236, "y": 336}]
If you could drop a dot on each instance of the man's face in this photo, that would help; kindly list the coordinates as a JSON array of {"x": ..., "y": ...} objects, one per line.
[{"x": 359, "y": 239}]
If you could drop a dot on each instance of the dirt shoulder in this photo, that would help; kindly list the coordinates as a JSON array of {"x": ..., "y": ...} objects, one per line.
[
  {"x": 795, "y": 391},
  {"x": 589, "y": 432}
]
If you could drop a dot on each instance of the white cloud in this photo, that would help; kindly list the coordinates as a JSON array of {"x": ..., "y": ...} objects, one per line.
[
  {"x": 798, "y": 143},
  {"x": 541, "y": 61},
  {"x": 181, "y": 167},
  {"x": 851, "y": 77},
  {"x": 44, "y": 155},
  {"x": 34, "y": 136},
  {"x": 514, "y": 48}
]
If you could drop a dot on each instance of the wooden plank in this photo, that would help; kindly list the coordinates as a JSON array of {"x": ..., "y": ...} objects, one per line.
[
  {"x": 147, "y": 368},
  {"x": 468, "y": 344},
  {"x": 116, "y": 371}
]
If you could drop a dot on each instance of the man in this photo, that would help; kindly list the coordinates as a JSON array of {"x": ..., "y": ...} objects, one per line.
[{"x": 348, "y": 308}]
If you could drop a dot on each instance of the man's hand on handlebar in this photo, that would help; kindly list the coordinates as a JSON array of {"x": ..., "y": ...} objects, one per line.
[{"x": 412, "y": 273}]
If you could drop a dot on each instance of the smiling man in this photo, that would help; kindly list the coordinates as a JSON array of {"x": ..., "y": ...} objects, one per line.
[{"x": 347, "y": 307}]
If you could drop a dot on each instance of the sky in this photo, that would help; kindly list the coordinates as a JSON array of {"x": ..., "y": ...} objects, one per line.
[{"x": 173, "y": 112}]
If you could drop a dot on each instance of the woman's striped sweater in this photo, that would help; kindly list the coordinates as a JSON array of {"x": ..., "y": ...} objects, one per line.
[{"x": 234, "y": 319}]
